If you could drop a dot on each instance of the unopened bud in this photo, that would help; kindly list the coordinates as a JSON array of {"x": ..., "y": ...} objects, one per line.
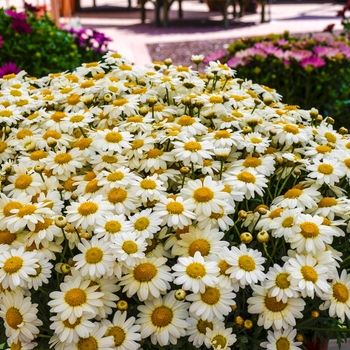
[
  {"x": 239, "y": 321},
  {"x": 261, "y": 209},
  {"x": 185, "y": 100},
  {"x": 319, "y": 118},
  {"x": 107, "y": 97},
  {"x": 168, "y": 62},
  {"x": 246, "y": 237},
  {"x": 313, "y": 113},
  {"x": 74, "y": 197},
  {"x": 242, "y": 214},
  {"x": 65, "y": 268},
  {"x": 315, "y": 314},
  {"x": 263, "y": 236},
  {"x": 299, "y": 337},
  {"x": 343, "y": 131},
  {"x": 61, "y": 221},
  {"x": 152, "y": 100},
  {"x": 297, "y": 172},
  {"x": 210, "y": 76},
  {"x": 185, "y": 170},
  {"x": 60, "y": 188},
  {"x": 39, "y": 168},
  {"x": 122, "y": 305},
  {"x": 247, "y": 129},
  {"x": 330, "y": 120},
  {"x": 199, "y": 104},
  {"x": 268, "y": 100},
  {"x": 85, "y": 235},
  {"x": 234, "y": 307},
  {"x": 180, "y": 294},
  {"x": 51, "y": 142},
  {"x": 143, "y": 110},
  {"x": 248, "y": 324},
  {"x": 279, "y": 160},
  {"x": 273, "y": 132}
]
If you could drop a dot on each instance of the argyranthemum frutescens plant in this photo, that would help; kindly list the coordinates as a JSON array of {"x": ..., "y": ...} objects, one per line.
[{"x": 161, "y": 208}]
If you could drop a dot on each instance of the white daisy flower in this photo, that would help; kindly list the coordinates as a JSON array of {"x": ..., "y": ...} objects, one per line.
[
  {"x": 149, "y": 189},
  {"x": 121, "y": 177},
  {"x": 213, "y": 302},
  {"x": 76, "y": 120},
  {"x": 42, "y": 272},
  {"x": 273, "y": 313},
  {"x": 329, "y": 171},
  {"x": 111, "y": 140},
  {"x": 221, "y": 138},
  {"x": 264, "y": 165},
  {"x": 96, "y": 258},
  {"x": 190, "y": 125},
  {"x": 194, "y": 273},
  {"x": 220, "y": 338},
  {"x": 129, "y": 248},
  {"x": 76, "y": 299},
  {"x": 16, "y": 265},
  {"x": 108, "y": 161},
  {"x": 286, "y": 225},
  {"x": 254, "y": 142},
  {"x": 149, "y": 278},
  {"x": 307, "y": 276},
  {"x": 145, "y": 223},
  {"x": 86, "y": 212},
  {"x": 289, "y": 134},
  {"x": 164, "y": 319},
  {"x": 337, "y": 299},
  {"x": 122, "y": 200},
  {"x": 331, "y": 206},
  {"x": 175, "y": 211},
  {"x": 111, "y": 226},
  {"x": 208, "y": 196},
  {"x": 125, "y": 333},
  {"x": 20, "y": 317},
  {"x": 282, "y": 339},
  {"x": 155, "y": 159},
  {"x": 246, "y": 265}
]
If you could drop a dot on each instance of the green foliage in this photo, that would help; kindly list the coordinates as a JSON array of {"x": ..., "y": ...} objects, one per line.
[
  {"x": 35, "y": 44},
  {"x": 307, "y": 71}
]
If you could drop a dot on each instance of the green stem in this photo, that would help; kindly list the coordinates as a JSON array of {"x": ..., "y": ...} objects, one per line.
[{"x": 82, "y": 131}]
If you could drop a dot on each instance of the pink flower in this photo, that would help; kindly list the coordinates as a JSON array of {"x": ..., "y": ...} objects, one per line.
[
  {"x": 313, "y": 61},
  {"x": 324, "y": 51},
  {"x": 9, "y": 68},
  {"x": 234, "y": 62},
  {"x": 1, "y": 41},
  {"x": 16, "y": 15},
  {"x": 215, "y": 56}
]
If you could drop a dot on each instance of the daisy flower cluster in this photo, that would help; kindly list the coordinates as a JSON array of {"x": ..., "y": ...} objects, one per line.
[{"x": 161, "y": 208}]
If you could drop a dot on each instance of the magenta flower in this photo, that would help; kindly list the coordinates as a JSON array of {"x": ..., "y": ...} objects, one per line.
[
  {"x": 20, "y": 26},
  {"x": 1, "y": 41},
  {"x": 324, "y": 51},
  {"x": 234, "y": 62},
  {"x": 298, "y": 55},
  {"x": 215, "y": 56},
  {"x": 9, "y": 68},
  {"x": 16, "y": 15},
  {"x": 313, "y": 61}
]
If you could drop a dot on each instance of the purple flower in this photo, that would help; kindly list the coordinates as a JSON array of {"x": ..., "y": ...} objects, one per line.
[
  {"x": 282, "y": 42},
  {"x": 324, "y": 51},
  {"x": 20, "y": 26},
  {"x": 298, "y": 55},
  {"x": 16, "y": 15},
  {"x": 234, "y": 62},
  {"x": 215, "y": 56},
  {"x": 9, "y": 68},
  {"x": 313, "y": 61}
]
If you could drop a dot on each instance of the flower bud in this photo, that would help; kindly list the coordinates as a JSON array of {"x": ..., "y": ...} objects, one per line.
[
  {"x": 60, "y": 188},
  {"x": 74, "y": 197},
  {"x": 143, "y": 110},
  {"x": 246, "y": 237},
  {"x": 319, "y": 118},
  {"x": 343, "y": 131},
  {"x": 242, "y": 214},
  {"x": 39, "y": 168},
  {"x": 273, "y": 132},
  {"x": 65, "y": 268},
  {"x": 239, "y": 321},
  {"x": 248, "y": 324},
  {"x": 268, "y": 100},
  {"x": 185, "y": 170},
  {"x": 85, "y": 235},
  {"x": 51, "y": 142},
  {"x": 313, "y": 113},
  {"x": 152, "y": 100},
  {"x": 299, "y": 337},
  {"x": 315, "y": 314},
  {"x": 60, "y": 221},
  {"x": 297, "y": 172},
  {"x": 122, "y": 305},
  {"x": 263, "y": 236},
  {"x": 234, "y": 307},
  {"x": 180, "y": 294},
  {"x": 261, "y": 209},
  {"x": 107, "y": 97},
  {"x": 168, "y": 62},
  {"x": 330, "y": 120},
  {"x": 247, "y": 129},
  {"x": 185, "y": 100}
]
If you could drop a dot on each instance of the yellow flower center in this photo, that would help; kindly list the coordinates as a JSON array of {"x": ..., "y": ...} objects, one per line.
[
  {"x": 21, "y": 103},
  {"x": 109, "y": 159},
  {"x": 154, "y": 153},
  {"x": 141, "y": 223},
  {"x": 91, "y": 64},
  {"x": 219, "y": 342},
  {"x": 16, "y": 93},
  {"x": 83, "y": 143},
  {"x": 222, "y": 134},
  {"x": 66, "y": 90},
  {"x": 53, "y": 134},
  {"x": 92, "y": 186},
  {"x": 211, "y": 295},
  {"x": 28, "y": 209},
  {"x": 162, "y": 316},
  {"x": 116, "y": 176},
  {"x": 67, "y": 324},
  {"x": 120, "y": 102},
  {"x": 87, "y": 208},
  {"x": 112, "y": 226},
  {"x": 340, "y": 292},
  {"x": 86, "y": 84},
  {"x": 10, "y": 206},
  {"x": 37, "y": 155},
  {"x": 199, "y": 245},
  {"x": 73, "y": 99},
  {"x": 24, "y": 133},
  {"x": 192, "y": 146},
  {"x": 148, "y": 184},
  {"x": 347, "y": 162},
  {"x": 5, "y": 113},
  {"x": 175, "y": 208},
  {"x": 272, "y": 304},
  {"x": 9, "y": 76},
  {"x": 276, "y": 213},
  {"x": 57, "y": 116},
  {"x": 282, "y": 281},
  {"x": 3, "y": 146},
  {"x": 145, "y": 272},
  {"x": 93, "y": 255},
  {"x": 6, "y": 237},
  {"x": 203, "y": 194},
  {"x": 255, "y": 140},
  {"x": 114, "y": 137},
  {"x": 323, "y": 149},
  {"x": 196, "y": 270},
  {"x": 13, "y": 317},
  {"x": 288, "y": 222},
  {"x": 246, "y": 263},
  {"x": 75, "y": 297},
  {"x": 125, "y": 67},
  {"x": 88, "y": 344},
  {"x": 216, "y": 99},
  {"x": 118, "y": 334},
  {"x": 309, "y": 274},
  {"x": 223, "y": 266},
  {"x": 202, "y": 326},
  {"x": 137, "y": 144},
  {"x": 39, "y": 226},
  {"x": 309, "y": 229},
  {"x": 186, "y": 120},
  {"x": 293, "y": 193},
  {"x": 292, "y": 129},
  {"x": 325, "y": 169},
  {"x": 330, "y": 137},
  {"x": 62, "y": 158},
  {"x": 117, "y": 195},
  {"x": 246, "y": 177},
  {"x": 135, "y": 119},
  {"x": 13, "y": 264},
  {"x": 252, "y": 162},
  {"x": 76, "y": 118},
  {"x": 327, "y": 202},
  {"x": 23, "y": 181},
  {"x": 130, "y": 247},
  {"x": 283, "y": 344}
]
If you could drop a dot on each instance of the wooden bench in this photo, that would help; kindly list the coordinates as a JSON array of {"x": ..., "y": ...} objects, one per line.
[{"x": 166, "y": 4}]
